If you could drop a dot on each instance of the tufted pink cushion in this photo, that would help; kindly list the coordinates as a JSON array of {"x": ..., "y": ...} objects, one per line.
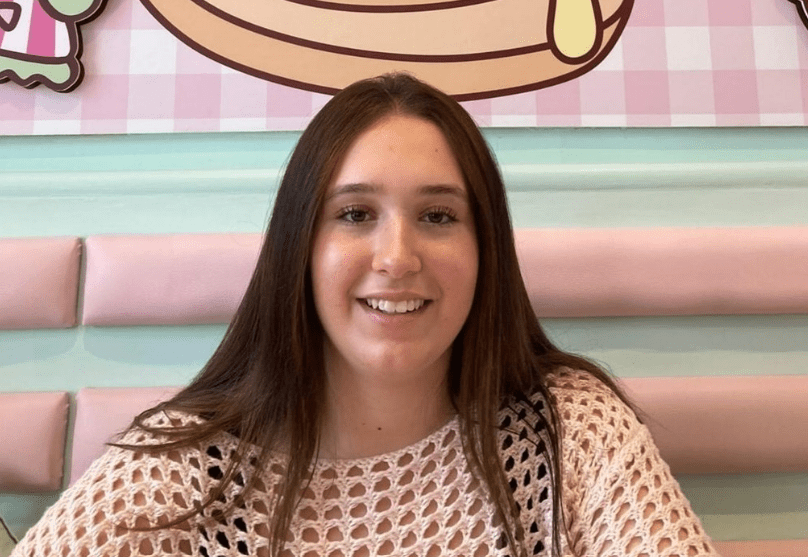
[
  {"x": 101, "y": 414},
  {"x": 763, "y": 548},
  {"x": 167, "y": 279},
  {"x": 185, "y": 279},
  {"x": 724, "y": 425},
  {"x": 38, "y": 282},
  {"x": 703, "y": 425},
  {"x": 665, "y": 271},
  {"x": 32, "y": 441}
]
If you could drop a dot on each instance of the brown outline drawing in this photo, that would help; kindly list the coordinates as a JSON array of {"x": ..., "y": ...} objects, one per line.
[
  {"x": 389, "y": 8},
  {"x": 616, "y": 23},
  {"x": 393, "y": 56},
  {"x": 599, "y": 24},
  {"x": 72, "y": 58},
  {"x": 11, "y": 23}
]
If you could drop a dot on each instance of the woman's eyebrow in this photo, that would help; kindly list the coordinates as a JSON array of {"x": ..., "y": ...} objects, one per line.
[
  {"x": 431, "y": 189},
  {"x": 351, "y": 188},
  {"x": 443, "y": 189}
]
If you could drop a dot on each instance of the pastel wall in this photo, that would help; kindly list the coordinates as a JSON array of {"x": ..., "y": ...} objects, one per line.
[{"x": 81, "y": 186}]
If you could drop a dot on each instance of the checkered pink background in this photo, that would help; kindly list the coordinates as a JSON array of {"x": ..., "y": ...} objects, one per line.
[{"x": 678, "y": 63}]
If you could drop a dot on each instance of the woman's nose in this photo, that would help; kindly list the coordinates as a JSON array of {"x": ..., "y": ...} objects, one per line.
[{"x": 395, "y": 251}]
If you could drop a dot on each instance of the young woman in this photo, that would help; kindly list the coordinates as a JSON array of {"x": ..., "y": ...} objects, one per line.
[{"x": 385, "y": 387}]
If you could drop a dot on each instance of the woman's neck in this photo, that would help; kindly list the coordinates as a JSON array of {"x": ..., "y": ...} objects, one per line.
[{"x": 368, "y": 418}]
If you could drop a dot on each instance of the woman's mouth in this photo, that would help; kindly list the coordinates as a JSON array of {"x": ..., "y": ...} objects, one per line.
[{"x": 390, "y": 307}]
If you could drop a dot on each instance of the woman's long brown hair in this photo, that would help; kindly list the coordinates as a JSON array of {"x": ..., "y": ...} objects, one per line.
[{"x": 265, "y": 382}]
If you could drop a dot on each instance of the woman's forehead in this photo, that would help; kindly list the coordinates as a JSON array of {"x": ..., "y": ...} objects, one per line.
[{"x": 399, "y": 149}]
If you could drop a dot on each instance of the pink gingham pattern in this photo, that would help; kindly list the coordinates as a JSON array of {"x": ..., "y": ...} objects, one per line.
[{"x": 678, "y": 63}]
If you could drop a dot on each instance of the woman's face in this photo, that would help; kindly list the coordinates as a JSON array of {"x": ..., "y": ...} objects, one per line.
[{"x": 394, "y": 262}]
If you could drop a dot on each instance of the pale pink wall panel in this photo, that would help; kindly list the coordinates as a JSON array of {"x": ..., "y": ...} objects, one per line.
[
  {"x": 32, "y": 441},
  {"x": 39, "y": 280},
  {"x": 763, "y": 548},
  {"x": 183, "y": 279},
  {"x": 702, "y": 425},
  {"x": 172, "y": 279},
  {"x": 725, "y": 425},
  {"x": 665, "y": 271}
]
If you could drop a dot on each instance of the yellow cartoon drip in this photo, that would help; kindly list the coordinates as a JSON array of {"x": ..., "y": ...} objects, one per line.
[{"x": 574, "y": 27}]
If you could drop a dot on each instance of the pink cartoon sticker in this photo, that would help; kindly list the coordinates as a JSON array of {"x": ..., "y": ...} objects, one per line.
[{"x": 40, "y": 42}]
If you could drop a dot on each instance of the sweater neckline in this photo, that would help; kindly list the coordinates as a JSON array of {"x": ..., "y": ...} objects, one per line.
[{"x": 414, "y": 448}]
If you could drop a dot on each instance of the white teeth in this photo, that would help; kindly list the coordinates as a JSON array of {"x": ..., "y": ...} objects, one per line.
[{"x": 388, "y": 306}]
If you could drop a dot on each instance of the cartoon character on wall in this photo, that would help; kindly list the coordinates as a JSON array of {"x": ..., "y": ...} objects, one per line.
[
  {"x": 40, "y": 42},
  {"x": 469, "y": 48}
]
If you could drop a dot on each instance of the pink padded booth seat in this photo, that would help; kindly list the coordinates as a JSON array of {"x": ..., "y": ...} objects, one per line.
[
  {"x": 101, "y": 414},
  {"x": 32, "y": 441},
  {"x": 703, "y": 425},
  {"x": 665, "y": 271},
  {"x": 725, "y": 425},
  {"x": 186, "y": 279},
  {"x": 763, "y": 548},
  {"x": 39, "y": 280},
  {"x": 175, "y": 279}
]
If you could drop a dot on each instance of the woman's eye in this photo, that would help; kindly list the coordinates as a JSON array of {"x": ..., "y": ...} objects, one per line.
[
  {"x": 440, "y": 216},
  {"x": 354, "y": 215}
]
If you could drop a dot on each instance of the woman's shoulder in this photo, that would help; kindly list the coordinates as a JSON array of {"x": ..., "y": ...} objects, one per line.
[
  {"x": 147, "y": 473},
  {"x": 576, "y": 395},
  {"x": 158, "y": 450},
  {"x": 167, "y": 437},
  {"x": 155, "y": 428},
  {"x": 610, "y": 463},
  {"x": 580, "y": 393},
  {"x": 591, "y": 414},
  {"x": 138, "y": 483}
]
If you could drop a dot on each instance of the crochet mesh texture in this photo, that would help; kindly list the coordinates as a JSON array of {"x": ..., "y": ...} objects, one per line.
[{"x": 619, "y": 496}]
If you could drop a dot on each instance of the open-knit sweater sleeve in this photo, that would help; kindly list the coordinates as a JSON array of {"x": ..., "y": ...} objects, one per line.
[
  {"x": 620, "y": 498},
  {"x": 121, "y": 491}
]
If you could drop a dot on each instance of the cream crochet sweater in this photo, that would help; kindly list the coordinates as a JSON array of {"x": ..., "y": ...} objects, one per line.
[{"x": 619, "y": 498}]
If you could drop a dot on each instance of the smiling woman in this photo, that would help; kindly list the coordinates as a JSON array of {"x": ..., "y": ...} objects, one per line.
[{"x": 384, "y": 387}]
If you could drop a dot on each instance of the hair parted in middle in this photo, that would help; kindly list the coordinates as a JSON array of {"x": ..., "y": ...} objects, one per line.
[{"x": 266, "y": 381}]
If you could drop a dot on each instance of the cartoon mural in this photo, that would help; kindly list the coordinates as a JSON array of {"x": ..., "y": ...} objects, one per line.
[
  {"x": 40, "y": 41},
  {"x": 469, "y": 48}
]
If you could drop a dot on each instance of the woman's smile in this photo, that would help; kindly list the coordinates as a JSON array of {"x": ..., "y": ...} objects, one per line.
[{"x": 391, "y": 307}]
